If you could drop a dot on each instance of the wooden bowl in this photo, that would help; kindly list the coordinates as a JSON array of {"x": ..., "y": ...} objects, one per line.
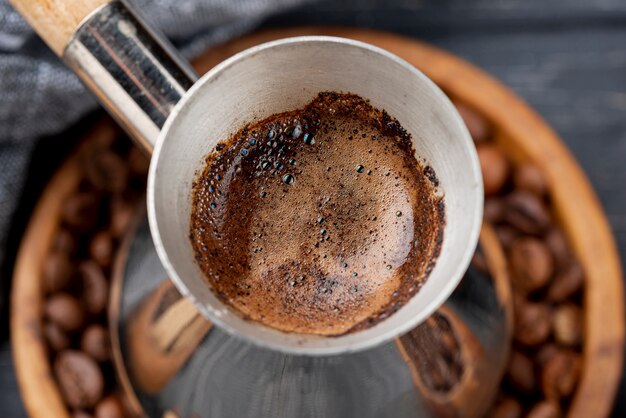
[{"x": 519, "y": 130}]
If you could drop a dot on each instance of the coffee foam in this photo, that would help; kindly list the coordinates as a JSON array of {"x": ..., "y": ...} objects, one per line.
[{"x": 319, "y": 220}]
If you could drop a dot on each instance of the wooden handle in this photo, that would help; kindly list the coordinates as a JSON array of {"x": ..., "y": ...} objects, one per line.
[{"x": 56, "y": 20}]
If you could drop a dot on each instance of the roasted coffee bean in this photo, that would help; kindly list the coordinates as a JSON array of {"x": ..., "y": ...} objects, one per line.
[
  {"x": 80, "y": 379},
  {"x": 494, "y": 166},
  {"x": 545, "y": 409},
  {"x": 566, "y": 282},
  {"x": 95, "y": 342},
  {"x": 65, "y": 242},
  {"x": 121, "y": 214},
  {"x": 494, "y": 210},
  {"x": 527, "y": 213},
  {"x": 106, "y": 171},
  {"x": 531, "y": 264},
  {"x": 567, "y": 323},
  {"x": 520, "y": 372},
  {"x": 57, "y": 272},
  {"x": 109, "y": 407},
  {"x": 529, "y": 177},
  {"x": 560, "y": 375},
  {"x": 80, "y": 211},
  {"x": 65, "y": 311},
  {"x": 101, "y": 248},
  {"x": 532, "y": 323},
  {"x": 506, "y": 408},
  {"x": 138, "y": 162},
  {"x": 95, "y": 287},
  {"x": 56, "y": 338},
  {"x": 545, "y": 353},
  {"x": 477, "y": 125},
  {"x": 557, "y": 243},
  {"x": 506, "y": 235}
]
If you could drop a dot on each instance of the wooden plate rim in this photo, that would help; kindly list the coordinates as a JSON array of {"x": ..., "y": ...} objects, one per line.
[{"x": 527, "y": 135}]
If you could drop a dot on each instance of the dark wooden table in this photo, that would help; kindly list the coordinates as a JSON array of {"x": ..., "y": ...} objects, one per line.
[{"x": 567, "y": 58}]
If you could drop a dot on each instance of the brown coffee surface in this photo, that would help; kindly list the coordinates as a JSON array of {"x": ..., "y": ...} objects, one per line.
[{"x": 320, "y": 220}]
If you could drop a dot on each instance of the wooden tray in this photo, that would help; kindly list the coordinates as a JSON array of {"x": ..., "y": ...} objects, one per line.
[{"x": 520, "y": 131}]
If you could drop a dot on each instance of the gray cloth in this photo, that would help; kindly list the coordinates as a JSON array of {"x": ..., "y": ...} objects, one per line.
[{"x": 39, "y": 96}]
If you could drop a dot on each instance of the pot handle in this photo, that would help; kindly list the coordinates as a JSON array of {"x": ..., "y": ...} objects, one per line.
[{"x": 134, "y": 71}]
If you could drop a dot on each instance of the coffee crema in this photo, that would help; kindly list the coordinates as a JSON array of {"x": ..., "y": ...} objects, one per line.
[{"x": 319, "y": 220}]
